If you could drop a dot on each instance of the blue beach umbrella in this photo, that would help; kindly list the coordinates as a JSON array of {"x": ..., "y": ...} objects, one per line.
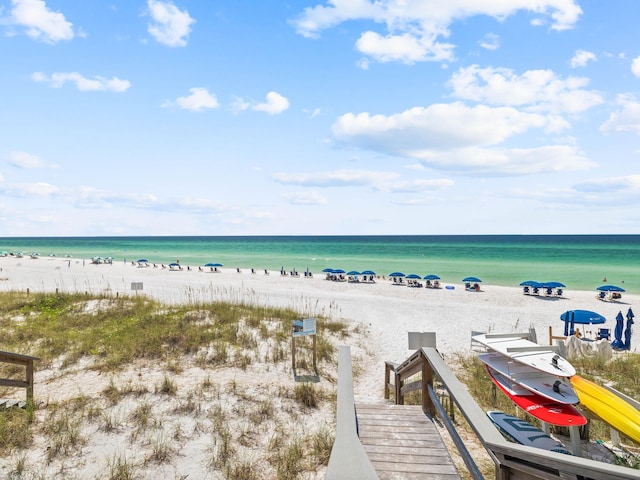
[
  {"x": 617, "y": 333},
  {"x": 328, "y": 270},
  {"x": 529, "y": 283},
  {"x": 630, "y": 314},
  {"x": 627, "y": 334},
  {"x": 472, "y": 279},
  {"x": 397, "y": 274},
  {"x": 431, "y": 276},
  {"x": 552, "y": 285},
  {"x": 368, "y": 272},
  {"x": 143, "y": 260},
  {"x": 213, "y": 265},
  {"x": 338, "y": 271},
  {"x": 354, "y": 273},
  {"x": 582, "y": 317},
  {"x": 414, "y": 276},
  {"x": 610, "y": 288}
]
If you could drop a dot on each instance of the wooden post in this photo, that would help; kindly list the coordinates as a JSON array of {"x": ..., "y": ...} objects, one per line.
[
  {"x": 427, "y": 380},
  {"x": 387, "y": 377},
  {"x": 315, "y": 369},
  {"x": 293, "y": 352}
]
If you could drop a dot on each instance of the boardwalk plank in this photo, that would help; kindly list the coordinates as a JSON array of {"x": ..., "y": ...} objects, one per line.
[{"x": 403, "y": 443}]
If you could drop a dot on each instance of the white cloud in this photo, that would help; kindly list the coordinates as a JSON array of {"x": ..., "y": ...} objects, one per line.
[
  {"x": 405, "y": 48},
  {"x": 41, "y": 23},
  {"x": 490, "y": 41},
  {"x": 635, "y": 66},
  {"x": 274, "y": 105},
  {"x": 415, "y": 186},
  {"x": 306, "y": 198},
  {"x": 458, "y": 138},
  {"x": 171, "y": 26},
  {"x": 537, "y": 90},
  {"x": 198, "y": 100},
  {"x": 506, "y": 161},
  {"x": 581, "y": 58},
  {"x": 336, "y": 178},
  {"x": 626, "y": 119},
  {"x": 39, "y": 189},
  {"x": 435, "y": 127},
  {"x": 57, "y": 80},
  {"x": 414, "y": 29},
  {"x": 629, "y": 184},
  {"x": 27, "y": 161}
]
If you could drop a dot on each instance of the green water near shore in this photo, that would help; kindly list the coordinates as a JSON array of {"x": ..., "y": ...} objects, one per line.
[{"x": 579, "y": 261}]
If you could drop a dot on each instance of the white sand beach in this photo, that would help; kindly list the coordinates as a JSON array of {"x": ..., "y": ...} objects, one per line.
[{"x": 387, "y": 311}]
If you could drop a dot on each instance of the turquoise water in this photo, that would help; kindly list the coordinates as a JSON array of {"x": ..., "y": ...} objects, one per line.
[{"x": 579, "y": 261}]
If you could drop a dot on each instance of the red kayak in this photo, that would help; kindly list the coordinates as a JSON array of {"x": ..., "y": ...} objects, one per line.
[{"x": 553, "y": 413}]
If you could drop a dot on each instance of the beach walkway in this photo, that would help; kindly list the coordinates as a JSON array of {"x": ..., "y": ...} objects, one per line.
[{"x": 402, "y": 442}]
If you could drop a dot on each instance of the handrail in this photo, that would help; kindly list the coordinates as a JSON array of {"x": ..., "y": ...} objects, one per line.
[
  {"x": 348, "y": 458},
  {"x": 512, "y": 461},
  {"x": 26, "y": 361}
]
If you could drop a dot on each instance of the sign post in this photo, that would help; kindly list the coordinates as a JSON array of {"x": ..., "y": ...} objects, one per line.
[
  {"x": 135, "y": 286},
  {"x": 303, "y": 328}
]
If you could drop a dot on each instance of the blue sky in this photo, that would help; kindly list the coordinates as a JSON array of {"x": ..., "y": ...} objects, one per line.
[{"x": 244, "y": 117}]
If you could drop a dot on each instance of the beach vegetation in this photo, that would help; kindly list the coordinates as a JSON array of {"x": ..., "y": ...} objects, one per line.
[{"x": 127, "y": 357}]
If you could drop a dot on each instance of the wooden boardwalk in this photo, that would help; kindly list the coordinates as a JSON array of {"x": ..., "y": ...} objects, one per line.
[{"x": 403, "y": 443}]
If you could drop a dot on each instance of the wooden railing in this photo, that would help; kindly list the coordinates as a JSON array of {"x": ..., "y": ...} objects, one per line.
[
  {"x": 512, "y": 461},
  {"x": 26, "y": 361},
  {"x": 348, "y": 458}
]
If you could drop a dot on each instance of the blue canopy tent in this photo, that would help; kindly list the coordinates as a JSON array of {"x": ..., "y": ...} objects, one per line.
[
  {"x": 617, "y": 343},
  {"x": 627, "y": 331},
  {"x": 582, "y": 317}
]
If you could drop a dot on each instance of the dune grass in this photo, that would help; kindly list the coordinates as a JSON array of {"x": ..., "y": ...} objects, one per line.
[{"x": 109, "y": 335}]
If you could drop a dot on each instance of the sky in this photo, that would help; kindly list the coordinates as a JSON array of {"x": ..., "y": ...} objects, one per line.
[{"x": 340, "y": 117}]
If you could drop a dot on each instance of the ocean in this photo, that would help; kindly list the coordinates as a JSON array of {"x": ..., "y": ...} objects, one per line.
[{"x": 581, "y": 262}]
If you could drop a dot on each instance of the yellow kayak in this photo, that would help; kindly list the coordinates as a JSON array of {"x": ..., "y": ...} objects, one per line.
[{"x": 608, "y": 406}]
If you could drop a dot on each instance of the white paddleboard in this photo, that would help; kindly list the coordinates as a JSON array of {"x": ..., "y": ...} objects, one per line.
[
  {"x": 521, "y": 350},
  {"x": 545, "y": 385},
  {"x": 524, "y": 433}
]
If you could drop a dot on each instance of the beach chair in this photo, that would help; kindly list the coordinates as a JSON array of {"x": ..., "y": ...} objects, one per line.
[
  {"x": 526, "y": 291},
  {"x": 601, "y": 296},
  {"x": 604, "y": 334},
  {"x": 559, "y": 292}
]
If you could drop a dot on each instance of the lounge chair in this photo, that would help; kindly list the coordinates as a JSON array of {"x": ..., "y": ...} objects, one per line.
[
  {"x": 526, "y": 290},
  {"x": 602, "y": 296}
]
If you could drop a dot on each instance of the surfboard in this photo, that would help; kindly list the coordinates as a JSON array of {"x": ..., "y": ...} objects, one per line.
[
  {"x": 549, "y": 386},
  {"x": 545, "y": 410},
  {"x": 521, "y": 350},
  {"x": 522, "y": 432},
  {"x": 609, "y": 407}
]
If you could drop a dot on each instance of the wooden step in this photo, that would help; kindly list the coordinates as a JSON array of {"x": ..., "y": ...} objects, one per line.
[{"x": 403, "y": 443}]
